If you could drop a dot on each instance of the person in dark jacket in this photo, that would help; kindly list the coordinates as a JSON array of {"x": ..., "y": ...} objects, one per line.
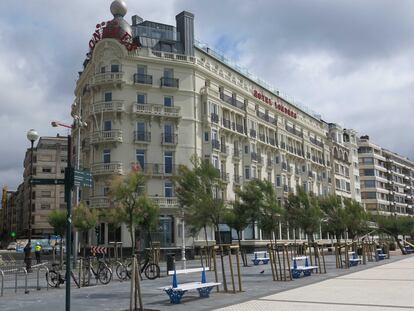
[{"x": 28, "y": 256}]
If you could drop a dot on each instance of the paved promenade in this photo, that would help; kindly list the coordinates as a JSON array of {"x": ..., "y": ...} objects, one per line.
[{"x": 385, "y": 287}]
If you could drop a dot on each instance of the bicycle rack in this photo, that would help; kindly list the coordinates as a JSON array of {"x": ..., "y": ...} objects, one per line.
[
  {"x": 47, "y": 276},
  {"x": 2, "y": 282},
  {"x": 26, "y": 291}
]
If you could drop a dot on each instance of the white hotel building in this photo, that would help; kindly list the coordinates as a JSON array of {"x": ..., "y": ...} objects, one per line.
[{"x": 172, "y": 98}]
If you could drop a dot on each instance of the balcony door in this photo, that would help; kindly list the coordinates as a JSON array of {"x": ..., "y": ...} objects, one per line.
[
  {"x": 168, "y": 133},
  {"x": 140, "y": 131},
  {"x": 168, "y": 162}
]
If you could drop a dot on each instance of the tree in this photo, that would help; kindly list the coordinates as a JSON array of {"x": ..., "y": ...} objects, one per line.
[
  {"x": 237, "y": 218},
  {"x": 199, "y": 192},
  {"x": 302, "y": 211},
  {"x": 132, "y": 206},
  {"x": 57, "y": 219},
  {"x": 84, "y": 219},
  {"x": 394, "y": 226},
  {"x": 270, "y": 211},
  {"x": 334, "y": 216},
  {"x": 355, "y": 218}
]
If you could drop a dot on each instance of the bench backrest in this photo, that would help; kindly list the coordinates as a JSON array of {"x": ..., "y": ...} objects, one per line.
[
  {"x": 261, "y": 254},
  {"x": 191, "y": 270}
]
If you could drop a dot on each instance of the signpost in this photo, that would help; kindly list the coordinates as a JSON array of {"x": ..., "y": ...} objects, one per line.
[{"x": 47, "y": 181}]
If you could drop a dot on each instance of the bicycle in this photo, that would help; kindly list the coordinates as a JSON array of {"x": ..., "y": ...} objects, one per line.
[
  {"x": 150, "y": 269},
  {"x": 54, "y": 278},
  {"x": 103, "y": 273}
]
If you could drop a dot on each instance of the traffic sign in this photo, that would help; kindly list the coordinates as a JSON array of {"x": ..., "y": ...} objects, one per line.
[
  {"x": 47, "y": 181},
  {"x": 82, "y": 178}
]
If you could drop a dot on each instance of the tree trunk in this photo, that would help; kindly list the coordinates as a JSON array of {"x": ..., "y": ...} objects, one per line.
[
  {"x": 132, "y": 232},
  {"x": 398, "y": 243},
  {"x": 218, "y": 233},
  {"x": 240, "y": 247},
  {"x": 205, "y": 235}
]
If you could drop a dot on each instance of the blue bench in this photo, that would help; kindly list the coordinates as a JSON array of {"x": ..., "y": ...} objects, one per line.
[
  {"x": 262, "y": 256},
  {"x": 380, "y": 254},
  {"x": 176, "y": 291},
  {"x": 354, "y": 260},
  {"x": 306, "y": 269},
  {"x": 407, "y": 250}
]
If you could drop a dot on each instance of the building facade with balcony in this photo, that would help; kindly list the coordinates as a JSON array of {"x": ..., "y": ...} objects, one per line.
[
  {"x": 387, "y": 180},
  {"x": 345, "y": 167},
  {"x": 156, "y": 106},
  {"x": 49, "y": 162}
]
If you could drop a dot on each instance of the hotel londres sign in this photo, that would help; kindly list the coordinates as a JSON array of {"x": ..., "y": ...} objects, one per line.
[
  {"x": 111, "y": 29},
  {"x": 270, "y": 102}
]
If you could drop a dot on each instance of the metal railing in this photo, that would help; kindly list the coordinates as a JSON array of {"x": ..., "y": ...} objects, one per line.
[
  {"x": 169, "y": 82},
  {"x": 142, "y": 79}
]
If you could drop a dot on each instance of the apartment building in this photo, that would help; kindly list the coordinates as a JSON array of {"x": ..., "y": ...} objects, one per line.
[
  {"x": 345, "y": 167},
  {"x": 387, "y": 179},
  {"x": 49, "y": 162},
  {"x": 8, "y": 214},
  {"x": 156, "y": 106}
]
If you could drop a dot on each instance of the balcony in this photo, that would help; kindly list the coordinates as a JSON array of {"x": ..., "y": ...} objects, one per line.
[
  {"x": 294, "y": 131},
  {"x": 156, "y": 110},
  {"x": 232, "y": 101},
  {"x": 215, "y": 144},
  {"x": 224, "y": 149},
  {"x": 165, "y": 202},
  {"x": 110, "y": 168},
  {"x": 226, "y": 123},
  {"x": 316, "y": 142},
  {"x": 169, "y": 82},
  {"x": 253, "y": 133},
  {"x": 239, "y": 128},
  {"x": 142, "y": 79},
  {"x": 142, "y": 137},
  {"x": 108, "y": 106},
  {"x": 262, "y": 137},
  {"x": 237, "y": 179},
  {"x": 253, "y": 156},
  {"x": 169, "y": 139},
  {"x": 113, "y": 136},
  {"x": 156, "y": 169},
  {"x": 214, "y": 118},
  {"x": 224, "y": 177},
  {"x": 236, "y": 153},
  {"x": 107, "y": 78},
  {"x": 266, "y": 117},
  {"x": 99, "y": 202}
]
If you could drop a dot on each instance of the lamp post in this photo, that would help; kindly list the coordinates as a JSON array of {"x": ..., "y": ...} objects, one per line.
[{"x": 32, "y": 136}]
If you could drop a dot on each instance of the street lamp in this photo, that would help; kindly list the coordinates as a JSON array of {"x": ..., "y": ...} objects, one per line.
[{"x": 32, "y": 136}]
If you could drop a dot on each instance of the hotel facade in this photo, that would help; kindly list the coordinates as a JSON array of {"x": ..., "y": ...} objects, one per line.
[{"x": 155, "y": 106}]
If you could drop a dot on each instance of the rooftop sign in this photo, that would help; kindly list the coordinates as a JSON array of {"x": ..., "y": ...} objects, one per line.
[
  {"x": 112, "y": 29},
  {"x": 270, "y": 102}
]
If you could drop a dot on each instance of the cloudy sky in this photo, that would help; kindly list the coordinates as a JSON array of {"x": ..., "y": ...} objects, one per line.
[{"x": 350, "y": 61}]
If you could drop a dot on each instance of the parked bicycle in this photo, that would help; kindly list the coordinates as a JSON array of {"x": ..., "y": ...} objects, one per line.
[
  {"x": 150, "y": 269},
  {"x": 55, "y": 278},
  {"x": 101, "y": 273}
]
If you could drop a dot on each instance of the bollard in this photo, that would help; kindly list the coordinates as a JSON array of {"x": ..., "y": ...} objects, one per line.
[
  {"x": 2, "y": 282},
  {"x": 38, "y": 276},
  {"x": 15, "y": 281},
  {"x": 26, "y": 291}
]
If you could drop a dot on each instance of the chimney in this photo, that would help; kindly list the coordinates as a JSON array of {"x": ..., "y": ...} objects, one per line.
[{"x": 185, "y": 26}]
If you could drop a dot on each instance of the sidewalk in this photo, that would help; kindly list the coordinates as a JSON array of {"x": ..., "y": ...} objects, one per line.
[{"x": 385, "y": 287}]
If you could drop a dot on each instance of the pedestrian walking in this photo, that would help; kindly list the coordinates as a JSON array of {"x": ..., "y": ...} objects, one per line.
[
  {"x": 38, "y": 249},
  {"x": 27, "y": 256}
]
